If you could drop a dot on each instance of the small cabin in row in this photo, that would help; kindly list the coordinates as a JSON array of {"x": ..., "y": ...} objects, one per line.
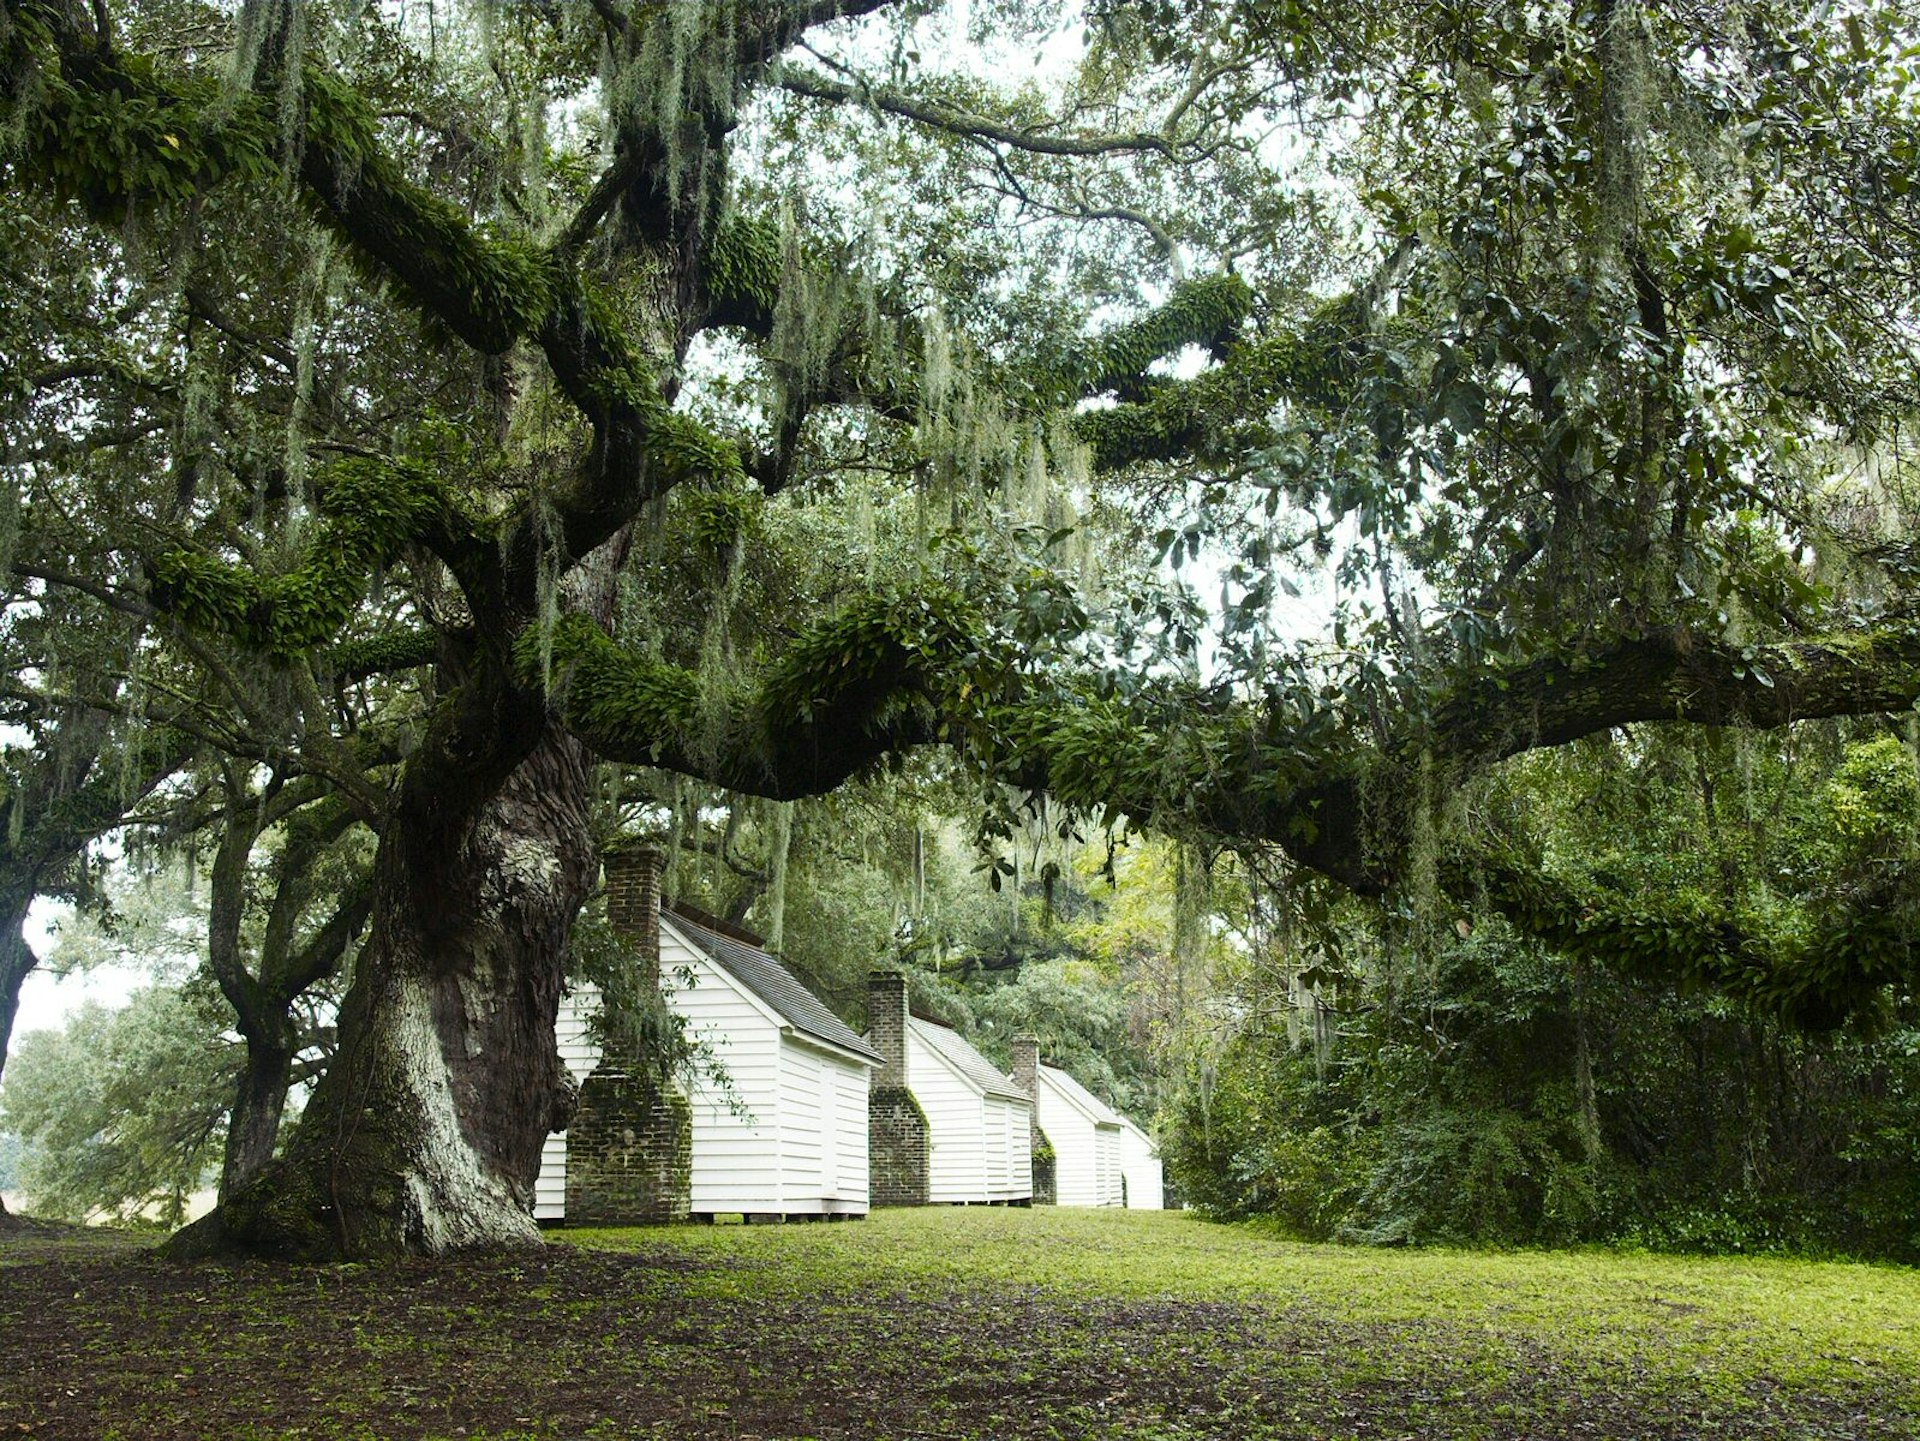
[
  {"x": 1100, "y": 1157},
  {"x": 1143, "y": 1178},
  {"x": 781, "y": 1132},
  {"x": 945, "y": 1126}
]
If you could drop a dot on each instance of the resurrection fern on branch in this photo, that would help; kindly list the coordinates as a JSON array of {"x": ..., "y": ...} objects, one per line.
[{"x": 372, "y": 509}]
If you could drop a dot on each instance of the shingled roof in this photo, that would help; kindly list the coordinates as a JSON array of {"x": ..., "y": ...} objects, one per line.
[
  {"x": 766, "y": 978},
  {"x": 959, "y": 1053}
]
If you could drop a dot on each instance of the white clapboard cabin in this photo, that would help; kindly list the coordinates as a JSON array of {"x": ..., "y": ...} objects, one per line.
[
  {"x": 786, "y": 1135},
  {"x": 1140, "y": 1169},
  {"x": 979, "y": 1124},
  {"x": 1085, "y": 1133}
]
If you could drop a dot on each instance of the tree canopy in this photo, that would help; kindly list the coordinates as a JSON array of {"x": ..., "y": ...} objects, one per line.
[{"x": 760, "y": 391}]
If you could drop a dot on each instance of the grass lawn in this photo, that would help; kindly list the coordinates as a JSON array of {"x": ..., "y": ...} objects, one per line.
[{"x": 958, "y": 1324}]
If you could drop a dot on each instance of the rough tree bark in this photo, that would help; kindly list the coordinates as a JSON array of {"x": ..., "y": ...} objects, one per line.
[
  {"x": 259, "y": 1100},
  {"x": 17, "y": 962},
  {"x": 425, "y": 1135},
  {"x": 273, "y": 1042}
]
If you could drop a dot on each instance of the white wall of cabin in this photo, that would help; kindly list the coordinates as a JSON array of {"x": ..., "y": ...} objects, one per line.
[
  {"x": 1071, "y": 1131},
  {"x": 823, "y": 1130},
  {"x": 1022, "y": 1157},
  {"x": 855, "y": 1175},
  {"x": 1009, "y": 1145},
  {"x": 740, "y": 1133},
  {"x": 980, "y": 1147},
  {"x": 1086, "y": 1151},
  {"x": 956, "y": 1151},
  {"x": 580, "y": 1056},
  {"x": 1106, "y": 1142},
  {"x": 1145, "y": 1175}
]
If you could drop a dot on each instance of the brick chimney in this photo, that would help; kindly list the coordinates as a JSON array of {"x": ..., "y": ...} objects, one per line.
[
  {"x": 887, "y": 1025},
  {"x": 1026, "y": 1075},
  {"x": 633, "y": 903},
  {"x": 899, "y": 1141},
  {"x": 630, "y": 1146},
  {"x": 1026, "y": 1066}
]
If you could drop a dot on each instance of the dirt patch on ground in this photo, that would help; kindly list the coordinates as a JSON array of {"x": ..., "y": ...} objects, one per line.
[{"x": 572, "y": 1343}]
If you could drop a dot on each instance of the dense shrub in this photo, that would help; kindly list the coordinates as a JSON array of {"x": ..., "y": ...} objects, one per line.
[
  {"x": 1497, "y": 1096},
  {"x": 1258, "y": 1133}
]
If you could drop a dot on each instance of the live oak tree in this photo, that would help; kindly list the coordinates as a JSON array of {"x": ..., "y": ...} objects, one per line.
[
  {"x": 424, "y": 309},
  {"x": 427, "y": 1131}
]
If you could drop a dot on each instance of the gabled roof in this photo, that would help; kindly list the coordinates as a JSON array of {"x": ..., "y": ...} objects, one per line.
[
  {"x": 775, "y": 986},
  {"x": 1079, "y": 1097},
  {"x": 958, "y": 1052}
]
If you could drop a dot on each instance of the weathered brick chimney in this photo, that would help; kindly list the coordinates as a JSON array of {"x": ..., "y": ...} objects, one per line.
[
  {"x": 887, "y": 1025},
  {"x": 633, "y": 902},
  {"x": 899, "y": 1143},
  {"x": 630, "y": 1146},
  {"x": 1026, "y": 1075},
  {"x": 1026, "y": 1066}
]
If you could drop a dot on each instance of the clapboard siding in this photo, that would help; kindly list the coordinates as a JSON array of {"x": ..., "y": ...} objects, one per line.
[
  {"x": 993, "y": 1146},
  {"x": 580, "y": 1056},
  {"x": 570, "y": 1034},
  {"x": 979, "y": 1144},
  {"x": 550, "y": 1187},
  {"x": 799, "y": 1082},
  {"x": 1008, "y": 1127},
  {"x": 738, "y": 1136},
  {"x": 1074, "y": 1157},
  {"x": 850, "y": 1120},
  {"x": 1107, "y": 1164}
]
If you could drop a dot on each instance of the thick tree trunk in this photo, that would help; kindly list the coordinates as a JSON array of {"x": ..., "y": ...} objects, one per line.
[
  {"x": 425, "y": 1135},
  {"x": 17, "y": 962}
]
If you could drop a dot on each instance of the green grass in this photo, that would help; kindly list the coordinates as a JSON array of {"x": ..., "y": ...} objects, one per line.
[
  {"x": 961, "y": 1325},
  {"x": 1716, "y": 1327}
]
